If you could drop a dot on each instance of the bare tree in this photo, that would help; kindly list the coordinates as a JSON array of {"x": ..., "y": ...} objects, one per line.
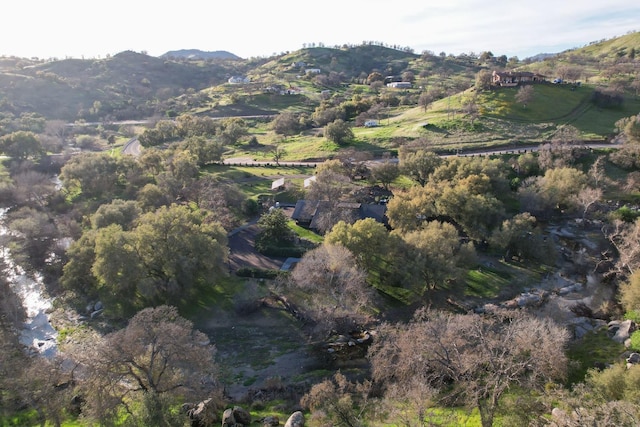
[
  {"x": 470, "y": 358},
  {"x": 157, "y": 354},
  {"x": 339, "y": 402},
  {"x": 277, "y": 153},
  {"x": 625, "y": 238},
  {"x": 334, "y": 285},
  {"x": 525, "y": 95},
  {"x": 597, "y": 173},
  {"x": 581, "y": 406},
  {"x": 586, "y": 198}
]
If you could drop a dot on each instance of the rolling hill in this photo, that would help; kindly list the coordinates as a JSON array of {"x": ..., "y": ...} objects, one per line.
[
  {"x": 194, "y": 54},
  {"x": 132, "y": 85}
]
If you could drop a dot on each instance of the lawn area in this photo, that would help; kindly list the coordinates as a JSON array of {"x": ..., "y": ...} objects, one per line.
[
  {"x": 256, "y": 180},
  {"x": 485, "y": 282},
  {"x": 550, "y": 103},
  {"x": 591, "y": 349},
  {"x": 305, "y": 233}
]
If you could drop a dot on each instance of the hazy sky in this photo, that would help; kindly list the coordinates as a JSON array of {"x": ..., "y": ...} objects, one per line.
[{"x": 77, "y": 28}]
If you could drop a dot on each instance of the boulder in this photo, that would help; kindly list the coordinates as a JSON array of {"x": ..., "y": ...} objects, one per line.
[
  {"x": 634, "y": 358},
  {"x": 580, "y": 326},
  {"x": 203, "y": 414},
  {"x": 270, "y": 421},
  {"x": 96, "y": 313},
  {"x": 624, "y": 331},
  {"x": 528, "y": 299},
  {"x": 559, "y": 415},
  {"x": 295, "y": 420},
  {"x": 241, "y": 415},
  {"x": 228, "y": 420}
]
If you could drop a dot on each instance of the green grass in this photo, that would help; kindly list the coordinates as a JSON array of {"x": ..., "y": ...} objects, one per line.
[
  {"x": 218, "y": 296},
  {"x": 486, "y": 282},
  {"x": 594, "y": 347},
  {"x": 305, "y": 233},
  {"x": 245, "y": 172},
  {"x": 447, "y": 417},
  {"x": 549, "y": 103},
  {"x": 255, "y": 181}
]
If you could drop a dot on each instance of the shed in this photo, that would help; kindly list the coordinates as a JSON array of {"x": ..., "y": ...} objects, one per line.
[{"x": 277, "y": 184}]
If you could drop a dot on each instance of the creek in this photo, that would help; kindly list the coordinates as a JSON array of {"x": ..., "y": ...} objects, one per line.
[{"x": 37, "y": 334}]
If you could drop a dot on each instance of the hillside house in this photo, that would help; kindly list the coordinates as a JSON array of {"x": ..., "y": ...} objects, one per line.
[
  {"x": 514, "y": 78},
  {"x": 313, "y": 71}
]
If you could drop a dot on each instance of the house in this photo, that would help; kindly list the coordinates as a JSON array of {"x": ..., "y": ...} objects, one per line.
[
  {"x": 298, "y": 64},
  {"x": 514, "y": 78},
  {"x": 308, "y": 213},
  {"x": 238, "y": 80},
  {"x": 371, "y": 123},
  {"x": 400, "y": 85},
  {"x": 313, "y": 71}
]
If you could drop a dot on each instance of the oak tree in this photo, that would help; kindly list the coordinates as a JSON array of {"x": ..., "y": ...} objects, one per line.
[
  {"x": 339, "y": 132},
  {"x": 434, "y": 257},
  {"x": 418, "y": 164}
]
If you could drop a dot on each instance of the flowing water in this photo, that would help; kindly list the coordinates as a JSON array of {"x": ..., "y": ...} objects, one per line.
[{"x": 37, "y": 333}]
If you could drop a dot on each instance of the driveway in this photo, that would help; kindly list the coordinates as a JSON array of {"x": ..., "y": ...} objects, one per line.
[{"x": 242, "y": 251}]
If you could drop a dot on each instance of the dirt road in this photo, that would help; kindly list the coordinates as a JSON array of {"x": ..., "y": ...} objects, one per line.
[{"x": 242, "y": 251}]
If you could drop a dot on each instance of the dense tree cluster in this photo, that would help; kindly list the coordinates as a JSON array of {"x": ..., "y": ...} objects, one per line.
[{"x": 163, "y": 255}]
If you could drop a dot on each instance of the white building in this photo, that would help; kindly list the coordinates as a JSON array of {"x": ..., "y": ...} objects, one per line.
[
  {"x": 400, "y": 85},
  {"x": 238, "y": 80}
]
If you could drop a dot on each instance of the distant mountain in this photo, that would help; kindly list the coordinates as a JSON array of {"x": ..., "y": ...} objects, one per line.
[
  {"x": 199, "y": 54},
  {"x": 128, "y": 85}
]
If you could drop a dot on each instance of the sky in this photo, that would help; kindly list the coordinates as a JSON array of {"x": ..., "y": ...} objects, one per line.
[{"x": 259, "y": 28}]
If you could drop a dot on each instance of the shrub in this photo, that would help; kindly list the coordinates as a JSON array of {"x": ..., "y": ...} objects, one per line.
[
  {"x": 258, "y": 273},
  {"x": 625, "y": 214},
  {"x": 280, "y": 251},
  {"x": 635, "y": 341}
]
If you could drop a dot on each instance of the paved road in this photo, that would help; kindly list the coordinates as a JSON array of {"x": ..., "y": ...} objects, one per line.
[
  {"x": 132, "y": 147},
  {"x": 469, "y": 153}
]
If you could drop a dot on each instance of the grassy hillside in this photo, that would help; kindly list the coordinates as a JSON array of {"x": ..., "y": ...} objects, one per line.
[
  {"x": 627, "y": 45},
  {"x": 351, "y": 60}
]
